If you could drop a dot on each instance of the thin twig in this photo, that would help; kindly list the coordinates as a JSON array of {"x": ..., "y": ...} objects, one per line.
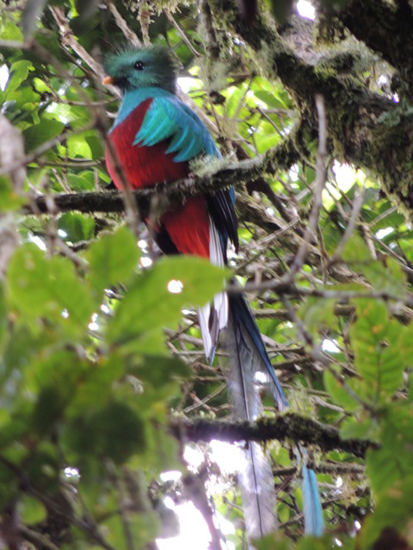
[
  {"x": 357, "y": 204},
  {"x": 181, "y": 32},
  {"x": 37, "y": 538},
  {"x": 310, "y": 231},
  {"x": 130, "y": 36},
  {"x": 69, "y": 40},
  {"x": 43, "y": 148}
]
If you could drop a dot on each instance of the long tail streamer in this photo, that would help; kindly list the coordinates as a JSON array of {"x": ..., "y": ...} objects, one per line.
[
  {"x": 250, "y": 367},
  {"x": 256, "y": 480}
]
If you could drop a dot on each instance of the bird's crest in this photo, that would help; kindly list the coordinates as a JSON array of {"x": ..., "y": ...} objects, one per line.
[{"x": 132, "y": 68}]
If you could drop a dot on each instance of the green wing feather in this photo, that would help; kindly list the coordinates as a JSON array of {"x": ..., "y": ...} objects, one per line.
[{"x": 169, "y": 118}]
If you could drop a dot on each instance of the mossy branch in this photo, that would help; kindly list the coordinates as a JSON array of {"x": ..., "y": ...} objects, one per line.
[
  {"x": 289, "y": 426},
  {"x": 385, "y": 28},
  {"x": 366, "y": 129},
  {"x": 280, "y": 157}
]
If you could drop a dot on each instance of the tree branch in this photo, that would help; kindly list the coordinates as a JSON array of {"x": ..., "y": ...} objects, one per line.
[
  {"x": 289, "y": 426},
  {"x": 11, "y": 153},
  {"x": 330, "y": 467},
  {"x": 385, "y": 28},
  {"x": 282, "y": 156},
  {"x": 366, "y": 129}
]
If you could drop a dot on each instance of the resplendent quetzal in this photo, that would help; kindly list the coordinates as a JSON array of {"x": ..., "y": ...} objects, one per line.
[{"x": 154, "y": 137}]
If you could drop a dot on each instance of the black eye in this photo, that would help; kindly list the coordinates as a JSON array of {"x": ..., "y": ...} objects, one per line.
[{"x": 139, "y": 66}]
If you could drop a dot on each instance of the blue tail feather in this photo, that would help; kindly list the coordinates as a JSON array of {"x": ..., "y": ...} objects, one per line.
[
  {"x": 313, "y": 512},
  {"x": 256, "y": 479},
  {"x": 241, "y": 312}
]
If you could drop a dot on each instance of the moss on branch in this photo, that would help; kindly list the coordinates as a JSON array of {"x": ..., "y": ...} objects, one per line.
[
  {"x": 385, "y": 28},
  {"x": 281, "y": 157},
  {"x": 289, "y": 426},
  {"x": 365, "y": 128}
]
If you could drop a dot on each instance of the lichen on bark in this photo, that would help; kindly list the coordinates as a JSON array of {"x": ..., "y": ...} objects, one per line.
[{"x": 366, "y": 128}]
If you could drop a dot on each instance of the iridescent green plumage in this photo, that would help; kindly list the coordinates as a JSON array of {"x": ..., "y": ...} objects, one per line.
[{"x": 158, "y": 68}]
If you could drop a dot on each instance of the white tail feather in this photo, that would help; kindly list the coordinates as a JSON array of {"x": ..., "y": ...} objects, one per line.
[
  {"x": 213, "y": 317},
  {"x": 256, "y": 479}
]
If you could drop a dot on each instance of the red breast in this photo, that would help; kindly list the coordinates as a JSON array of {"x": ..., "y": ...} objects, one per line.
[{"x": 142, "y": 166}]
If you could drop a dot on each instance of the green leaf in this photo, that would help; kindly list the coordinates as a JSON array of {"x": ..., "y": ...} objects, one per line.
[
  {"x": 157, "y": 296},
  {"x": 43, "y": 469},
  {"x": 18, "y": 74},
  {"x": 393, "y": 460},
  {"x": 159, "y": 370},
  {"x": 10, "y": 31},
  {"x": 161, "y": 378},
  {"x": 62, "y": 368},
  {"x": 78, "y": 227},
  {"x": 78, "y": 146},
  {"x": 406, "y": 345},
  {"x": 383, "y": 468},
  {"x": 270, "y": 99},
  {"x": 9, "y": 199},
  {"x": 54, "y": 377},
  {"x": 270, "y": 542},
  {"x": 3, "y": 318},
  {"x": 355, "y": 428},
  {"x": 48, "y": 410},
  {"x": 25, "y": 100},
  {"x": 356, "y": 251},
  {"x": 96, "y": 387},
  {"x": 49, "y": 287},
  {"x": 318, "y": 543},
  {"x": 162, "y": 450},
  {"x": 375, "y": 340},
  {"x": 151, "y": 342},
  {"x": 317, "y": 314},
  {"x": 143, "y": 530},
  {"x": 394, "y": 510},
  {"x": 13, "y": 431},
  {"x": 386, "y": 276},
  {"x": 20, "y": 347},
  {"x": 80, "y": 183},
  {"x": 40, "y": 85},
  {"x": 339, "y": 393},
  {"x": 39, "y": 133},
  {"x": 96, "y": 146},
  {"x": 31, "y": 510},
  {"x": 113, "y": 258},
  {"x": 233, "y": 101},
  {"x": 266, "y": 141},
  {"x": 115, "y": 431},
  {"x": 9, "y": 483}
]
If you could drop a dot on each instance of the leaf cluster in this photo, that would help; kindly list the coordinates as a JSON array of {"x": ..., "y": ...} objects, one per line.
[{"x": 99, "y": 343}]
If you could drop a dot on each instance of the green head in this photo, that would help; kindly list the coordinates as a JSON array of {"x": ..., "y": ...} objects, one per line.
[{"x": 142, "y": 68}]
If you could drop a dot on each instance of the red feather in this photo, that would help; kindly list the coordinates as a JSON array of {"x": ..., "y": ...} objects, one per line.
[
  {"x": 189, "y": 227},
  {"x": 143, "y": 166}
]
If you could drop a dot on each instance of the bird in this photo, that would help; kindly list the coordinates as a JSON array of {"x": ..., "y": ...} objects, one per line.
[{"x": 153, "y": 140}]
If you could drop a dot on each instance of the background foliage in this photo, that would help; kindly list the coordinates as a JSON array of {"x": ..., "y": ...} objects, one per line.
[{"x": 102, "y": 374}]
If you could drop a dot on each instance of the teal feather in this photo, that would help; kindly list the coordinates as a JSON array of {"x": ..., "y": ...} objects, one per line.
[
  {"x": 178, "y": 141},
  {"x": 167, "y": 117},
  {"x": 132, "y": 100},
  {"x": 313, "y": 512},
  {"x": 156, "y": 127}
]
